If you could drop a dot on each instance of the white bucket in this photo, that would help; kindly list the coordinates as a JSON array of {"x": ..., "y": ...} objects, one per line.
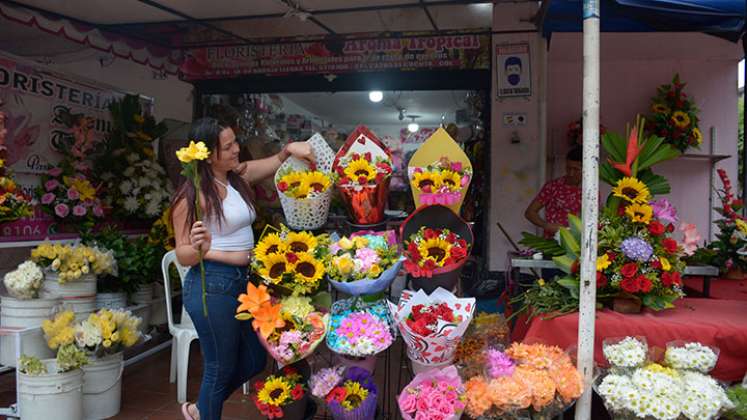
[
  {"x": 84, "y": 286},
  {"x": 111, "y": 300},
  {"x": 418, "y": 367},
  {"x": 56, "y": 396},
  {"x": 16, "y": 313},
  {"x": 82, "y": 307},
  {"x": 143, "y": 294},
  {"x": 102, "y": 387}
]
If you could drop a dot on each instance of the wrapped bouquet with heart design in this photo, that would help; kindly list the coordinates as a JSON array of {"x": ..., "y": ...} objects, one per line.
[
  {"x": 432, "y": 325},
  {"x": 363, "y": 170}
]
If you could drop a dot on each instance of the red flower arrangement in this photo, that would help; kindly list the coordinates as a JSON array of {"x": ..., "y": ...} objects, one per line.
[
  {"x": 360, "y": 170},
  {"x": 277, "y": 391},
  {"x": 423, "y": 319},
  {"x": 432, "y": 249}
]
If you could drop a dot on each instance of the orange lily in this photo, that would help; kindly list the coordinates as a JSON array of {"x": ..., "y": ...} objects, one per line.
[
  {"x": 254, "y": 298},
  {"x": 267, "y": 318},
  {"x": 632, "y": 154}
]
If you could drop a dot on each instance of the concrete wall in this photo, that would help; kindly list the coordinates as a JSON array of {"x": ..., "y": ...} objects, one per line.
[{"x": 633, "y": 65}]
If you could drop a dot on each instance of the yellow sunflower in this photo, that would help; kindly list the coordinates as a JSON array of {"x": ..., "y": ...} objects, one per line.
[
  {"x": 660, "y": 109},
  {"x": 639, "y": 213},
  {"x": 422, "y": 180},
  {"x": 270, "y": 244},
  {"x": 308, "y": 269},
  {"x": 355, "y": 395},
  {"x": 681, "y": 119},
  {"x": 274, "y": 266},
  {"x": 435, "y": 249},
  {"x": 318, "y": 181},
  {"x": 292, "y": 179},
  {"x": 300, "y": 192},
  {"x": 360, "y": 168},
  {"x": 301, "y": 241},
  {"x": 451, "y": 179},
  {"x": 697, "y": 135},
  {"x": 275, "y": 392},
  {"x": 632, "y": 190}
]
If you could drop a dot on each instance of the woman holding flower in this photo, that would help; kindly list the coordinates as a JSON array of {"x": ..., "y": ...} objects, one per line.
[{"x": 221, "y": 241}]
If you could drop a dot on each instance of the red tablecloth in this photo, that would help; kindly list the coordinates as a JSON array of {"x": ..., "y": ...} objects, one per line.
[
  {"x": 720, "y": 288},
  {"x": 715, "y": 322}
]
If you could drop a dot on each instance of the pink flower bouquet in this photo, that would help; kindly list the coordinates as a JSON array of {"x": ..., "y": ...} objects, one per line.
[
  {"x": 69, "y": 196},
  {"x": 433, "y": 395}
]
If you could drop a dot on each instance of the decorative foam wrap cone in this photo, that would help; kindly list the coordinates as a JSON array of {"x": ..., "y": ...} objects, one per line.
[
  {"x": 438, "y": 217},
  {"x": 365, "y": 204},
  {"x": 309, "y": 213},
  {"x": 439, "y": 145}
]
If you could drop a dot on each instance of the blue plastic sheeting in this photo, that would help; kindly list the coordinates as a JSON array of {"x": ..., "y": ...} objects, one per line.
[{"x": 723, "y": 18}]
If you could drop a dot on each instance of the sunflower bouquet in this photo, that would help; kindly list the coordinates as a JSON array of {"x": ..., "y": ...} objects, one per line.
[
  {"x": 278, "y": 391},
  {"x": 364, "y": 263},
  {"x": 304, "y": 189},
  {"x": 363, "y": 170},
  {"x": 442, "y": 182},
  {"x": 289, "y": 328},
  {"x": 674, "y": 116},
  {"x": 349, "y": 393},
  {"x": 360, "y": 329},
  {"x": 291, "y": 262},
  {"x": 638, "y": 261},
  {"x": 430, "y": 251}
]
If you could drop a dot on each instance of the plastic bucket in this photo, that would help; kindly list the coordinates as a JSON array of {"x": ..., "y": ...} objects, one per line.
[
  {"x": 56, "y": 396},
  {"x": 111, "y": 300},
  {"x": 102, "y": 387},
  {"x": 16, "y": 313},
  {"x": 418, "y": 367},
  {"x": 82, "y": 307},
  {"x": 51, "y": 288},
  {"x": 143, "y": 294}
]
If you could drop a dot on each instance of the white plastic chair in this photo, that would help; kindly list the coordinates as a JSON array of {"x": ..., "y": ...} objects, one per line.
[{"x": 183, "y": 333}]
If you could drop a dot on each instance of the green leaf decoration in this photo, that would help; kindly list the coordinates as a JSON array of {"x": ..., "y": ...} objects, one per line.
[
  {"x": 574, "y": 223},
  {"x": 548, "y": 247},
  {"x": 657, "y": 184},
  {"x": 615, "y": 145},
  {"x": 564, "y": 262},
  {"x": 655, "y": 151},
  {"x": 571, "y": 284},
  {"x": 244, "y": 316},
  {"x": 570, "y": 242}
]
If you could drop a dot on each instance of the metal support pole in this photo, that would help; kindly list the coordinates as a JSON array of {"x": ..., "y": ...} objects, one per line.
[{"x": 589, "y": 205}]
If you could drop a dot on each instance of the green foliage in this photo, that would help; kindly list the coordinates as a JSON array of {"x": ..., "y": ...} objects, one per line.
[
  {"x": 70, "y": 357},
  {"x": 138, "y": 261},
  {"x": 31, "y": 365},
  {"x": 738, "y": 395},
  {"x": 538, "y": 243}
]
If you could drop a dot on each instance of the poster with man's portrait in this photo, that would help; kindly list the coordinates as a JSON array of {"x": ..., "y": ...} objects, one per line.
[{"x": 513, "y": 70}]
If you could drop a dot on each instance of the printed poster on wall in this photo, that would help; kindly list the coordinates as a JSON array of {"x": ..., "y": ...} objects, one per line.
[
  {"x": 513, "y": 70},
  {"x": 33, "y": 98}
]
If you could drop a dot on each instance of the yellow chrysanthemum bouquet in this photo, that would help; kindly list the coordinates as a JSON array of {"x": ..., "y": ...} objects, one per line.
[
  {"x": 60, "y": 335},
  {"x": 291, "y": 262},
  {"x": 674, "y": 116},
  {"x": 107, "y": 332},
  {"x": 71, "y": 263}
]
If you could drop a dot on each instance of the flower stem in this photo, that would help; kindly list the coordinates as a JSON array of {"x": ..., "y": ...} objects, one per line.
[{"x": 202, "y": 265}]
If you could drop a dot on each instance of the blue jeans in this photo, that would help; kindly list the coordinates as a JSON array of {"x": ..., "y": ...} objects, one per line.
[{"x": 230, "y": 349}]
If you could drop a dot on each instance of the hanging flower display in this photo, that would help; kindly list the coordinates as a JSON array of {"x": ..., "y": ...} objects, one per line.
[{"x": 674, "y": 116}]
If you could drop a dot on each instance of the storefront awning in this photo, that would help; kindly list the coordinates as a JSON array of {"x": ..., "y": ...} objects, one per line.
[{"x": 723, "y": 18}]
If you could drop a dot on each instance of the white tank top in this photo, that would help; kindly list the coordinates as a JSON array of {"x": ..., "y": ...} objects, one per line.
[{"x": 235, "y": 233}]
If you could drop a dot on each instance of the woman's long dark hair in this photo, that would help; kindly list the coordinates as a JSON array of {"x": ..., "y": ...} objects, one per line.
[{"x": 208, "y": 131}]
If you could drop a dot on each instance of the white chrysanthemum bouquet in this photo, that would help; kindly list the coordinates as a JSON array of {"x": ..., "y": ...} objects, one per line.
[{"x": 25, "y": 281}]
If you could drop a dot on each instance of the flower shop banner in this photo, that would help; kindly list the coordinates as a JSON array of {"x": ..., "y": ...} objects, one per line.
[
  {"x": 35, "y": 101},
  {"x": 340, "y": 55}
]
